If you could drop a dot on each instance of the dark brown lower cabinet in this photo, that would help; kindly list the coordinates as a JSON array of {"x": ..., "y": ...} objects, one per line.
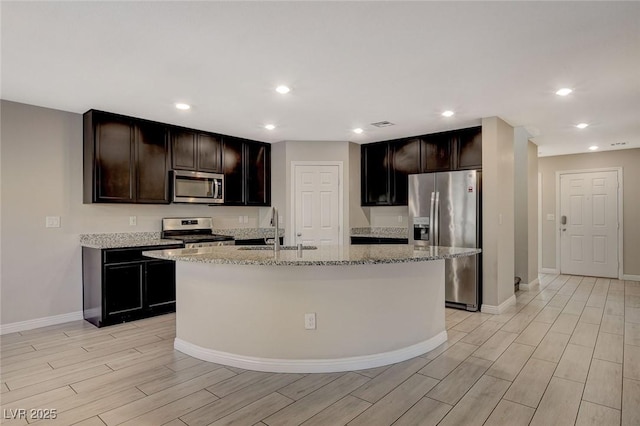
[
  {"x": 373, "y": 240},
  {"x": 122, "y": 285}
]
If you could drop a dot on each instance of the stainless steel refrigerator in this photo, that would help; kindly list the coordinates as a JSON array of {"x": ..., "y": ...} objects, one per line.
[{"x": 444, "y": 210}]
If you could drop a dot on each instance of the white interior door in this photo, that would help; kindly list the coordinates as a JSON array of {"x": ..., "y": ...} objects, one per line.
[
  {"x": 589, "y": 238},
  {"x": 317, "y": 204}
]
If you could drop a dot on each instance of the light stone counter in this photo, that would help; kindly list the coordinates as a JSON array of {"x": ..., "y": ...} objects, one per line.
[
  {"x": 124, "y": 239},
  {"x": 143, "y": 239},
  {"x": 323, "y": 255},
  {"x": 380, "y": 232},
  {"x": 371, "y": 305}
]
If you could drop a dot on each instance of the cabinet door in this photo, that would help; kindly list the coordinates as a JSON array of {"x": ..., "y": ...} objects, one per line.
[
  {"x": 258, "y": 174},
  {"x": 183, "y": 149},
  {"x": 152, "y": 156},
  {"x": 114, "y": 159},
  {"x": 375, "y": 174},
  {"x": 233, "y": 172},
  {"x": 160, "y": 284},
  {"x": 209, "y": 153},
  {"x": 123, "y": 289},
  {"x": 436, "y": 152},
  {"x": 405, "y": 155},
  {"x": 470, "y": 148}
]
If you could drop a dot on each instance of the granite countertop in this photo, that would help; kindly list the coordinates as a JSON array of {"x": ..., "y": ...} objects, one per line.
[
  {"x": 323, "y": 255},
  {"x": 380, "y": 232},
  {"x": 142, "y": 239},
  {"x": 124, "y": 239},
  {"x": 249, "y": 233}
]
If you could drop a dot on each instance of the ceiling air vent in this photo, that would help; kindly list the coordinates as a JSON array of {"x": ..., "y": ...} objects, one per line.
[
  {"x": 618, "y": 144},
  {"x": 383, "y": 124}
]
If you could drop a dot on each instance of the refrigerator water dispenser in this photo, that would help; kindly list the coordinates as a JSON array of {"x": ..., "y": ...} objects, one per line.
[{"x": 421, "y": 229}]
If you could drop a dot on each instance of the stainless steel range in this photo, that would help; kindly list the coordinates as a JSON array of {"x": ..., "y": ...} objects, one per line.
[{"x": 194, "y": 231}]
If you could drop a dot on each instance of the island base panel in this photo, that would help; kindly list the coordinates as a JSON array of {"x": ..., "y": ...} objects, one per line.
[{"x": 252, "y": 316}]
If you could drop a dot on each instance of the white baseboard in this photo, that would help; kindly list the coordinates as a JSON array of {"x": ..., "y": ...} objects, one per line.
[
  {"x": 274, "y": 365},
  {"x": 630, "y": 277},
  {"x": 497, "y": 310},
  {"x": 40, "y": 322},
  {"x": 549, "y": 271},
  {"x": 533, "y": 285}
]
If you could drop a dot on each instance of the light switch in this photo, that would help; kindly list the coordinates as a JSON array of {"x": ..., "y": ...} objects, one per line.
[
  {"x": 245, "y": 219},
  {"x": 551, "y": 216},
  {"x": 52, "y": 222},
  {"x": 133, "y": 220}
]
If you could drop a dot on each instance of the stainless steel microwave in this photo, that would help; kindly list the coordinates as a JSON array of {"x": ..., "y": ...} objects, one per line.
[{"x": 197, "y": 187}]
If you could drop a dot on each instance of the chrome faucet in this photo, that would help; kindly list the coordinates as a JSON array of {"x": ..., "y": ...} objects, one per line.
[{"x": 274, "y": 223}]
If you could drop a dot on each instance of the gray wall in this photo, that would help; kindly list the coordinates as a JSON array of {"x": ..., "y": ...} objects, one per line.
[
  {"x": 41, "y": 175},
  {"x": 629, "y": 160},
  {"x": 497, "y": 211},
  {"x": 526, "y": 207},
  {"x": 313, "y": 151}
]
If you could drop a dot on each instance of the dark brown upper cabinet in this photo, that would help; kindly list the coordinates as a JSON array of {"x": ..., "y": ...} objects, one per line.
[
  {"x": 405, "y": 160},
  {"x": 375, "y": 174},
  {"x": 197, "y": 151},
  {"x": 469, "y": 148},
  {"x": 437, "y": 152},
  {"x": 247, "y": 172},
  {"x": 386, "y": 166},
  {"x": 126, "y": 160}
]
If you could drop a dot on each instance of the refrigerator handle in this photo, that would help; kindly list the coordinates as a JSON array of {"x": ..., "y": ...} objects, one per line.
[
  {"x": 432, "y": 220},
  {"x": 436, "y": 221}
]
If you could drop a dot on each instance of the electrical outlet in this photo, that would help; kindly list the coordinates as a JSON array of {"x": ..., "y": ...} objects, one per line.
[
  {"x": 133, "y": 220},
  {"x": 246, "y": 219},
  {"x": 239, "y": 219},
  {"x": 551, "y": 216},
  {"x": 399, "y": 219},
  {"x": 310, "y": 321},
  {"x": 52, "y": 222}
]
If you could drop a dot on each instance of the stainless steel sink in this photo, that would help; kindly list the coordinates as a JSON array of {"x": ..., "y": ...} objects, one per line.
[{"x": 281, "y": 248}]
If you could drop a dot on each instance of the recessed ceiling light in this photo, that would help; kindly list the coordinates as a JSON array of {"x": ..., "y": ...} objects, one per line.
[
  {"x": 582, "y": 125},
  {"x": 282, "y": 89},
  {"x": 564, "y": 91},
  {"x": 593, "y": 148},
  {"x": 182, "y": 106},
  {"x": 269, "y": 126},
  {"x": 358, "y": 130},
  {"x": 447, "y": 114}
]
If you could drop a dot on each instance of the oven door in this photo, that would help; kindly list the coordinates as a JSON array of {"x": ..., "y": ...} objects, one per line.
[{"x": 197, "y": 187}]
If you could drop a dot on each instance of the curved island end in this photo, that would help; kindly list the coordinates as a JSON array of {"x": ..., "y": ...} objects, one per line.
[{"x": 374, "y": 305}]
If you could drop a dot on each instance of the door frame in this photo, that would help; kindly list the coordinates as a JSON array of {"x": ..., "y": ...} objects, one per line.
[
  {"x": 620, "y": 221},
  {"x": 340, "y": 164}
]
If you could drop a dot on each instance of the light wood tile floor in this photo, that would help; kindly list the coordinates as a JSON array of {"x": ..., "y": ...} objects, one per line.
[{"x": 566, "y": 353}]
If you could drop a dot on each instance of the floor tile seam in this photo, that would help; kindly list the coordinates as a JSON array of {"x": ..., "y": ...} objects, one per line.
[
  {"x": 608, "y": 360},
  {"x": 603, "y": 405},
  {"x": 584, "y": 384},
  {"x": 521, "y": 368},
  {"x": 395, "y": 387},
  {"x": 326, "y": 384},
  {"x": 161, "y": 406},
  {"x": 405, "y": 411},
  {"x": 465, "y": 393},
  {"x": 318, "y": 413}
]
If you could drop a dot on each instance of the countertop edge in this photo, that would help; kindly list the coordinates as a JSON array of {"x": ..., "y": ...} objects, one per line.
[{"x": 162, "y": 254}]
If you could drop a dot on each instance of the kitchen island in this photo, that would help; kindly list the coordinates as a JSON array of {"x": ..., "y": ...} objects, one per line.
[{"x": 371, "y": 305}]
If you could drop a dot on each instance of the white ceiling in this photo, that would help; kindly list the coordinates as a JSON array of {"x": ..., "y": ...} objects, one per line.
[{"x": 349, "y": 64}]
